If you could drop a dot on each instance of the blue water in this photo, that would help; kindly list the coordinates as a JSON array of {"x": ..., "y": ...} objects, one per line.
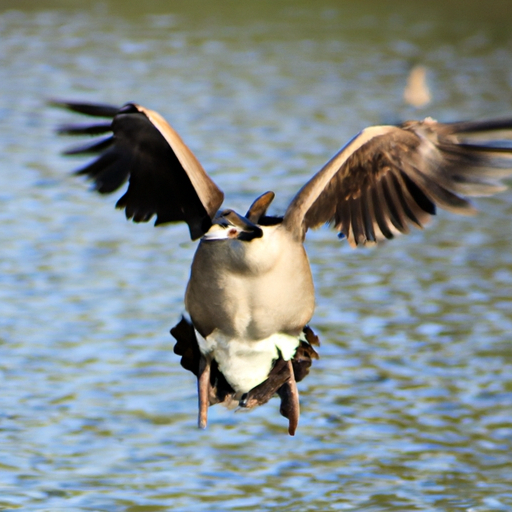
[{"x": 408, "y": 407}]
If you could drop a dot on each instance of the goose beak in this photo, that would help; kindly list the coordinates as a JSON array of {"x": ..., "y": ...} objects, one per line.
[
  {"x": 217, "y": 232},
  {"x": 230, "y": 224}
]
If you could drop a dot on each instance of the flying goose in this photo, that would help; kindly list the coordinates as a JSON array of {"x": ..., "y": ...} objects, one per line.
[{"x": 250, "y": 295}]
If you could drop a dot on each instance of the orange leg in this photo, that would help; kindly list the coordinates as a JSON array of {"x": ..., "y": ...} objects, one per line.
[
  {"x": 203, "y": 391},
  {"x": 294, "y": 407}
]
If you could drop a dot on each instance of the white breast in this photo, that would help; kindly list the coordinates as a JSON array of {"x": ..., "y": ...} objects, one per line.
[
  {"x": 245, "y": 364},
  {"x": 251, "y": 301}
]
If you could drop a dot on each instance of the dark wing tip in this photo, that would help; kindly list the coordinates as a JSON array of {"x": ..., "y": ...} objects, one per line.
[
  {"x": 487, "y": 125},
  {"x": 84, "y": 129},
  {"x": 89, "y": 109},
  {"x": 165, "y": 178},
  {"x": 93, "y": 148}
]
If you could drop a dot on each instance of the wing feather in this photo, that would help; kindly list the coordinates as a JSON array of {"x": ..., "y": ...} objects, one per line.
[
  {"x": 165, "y": 178},
  {"x": 381, "y": 211},
  {"x": 396, "y": 212},
  {"x": 95, "y": 147},
  {"x": 367, "y": 213},
  {"x": 388, "y": 178}
]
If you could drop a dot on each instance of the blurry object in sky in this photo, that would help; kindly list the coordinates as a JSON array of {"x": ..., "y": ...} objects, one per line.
[{"x": 416, "y": 92}]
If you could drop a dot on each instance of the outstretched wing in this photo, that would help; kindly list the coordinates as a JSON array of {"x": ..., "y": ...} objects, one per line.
[
  {"x": 165, "y": 178},
  {"x": 390, "y": 177}
]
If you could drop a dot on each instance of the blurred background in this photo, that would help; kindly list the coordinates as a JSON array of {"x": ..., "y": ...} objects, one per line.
[{"x": 409, "y": 407}]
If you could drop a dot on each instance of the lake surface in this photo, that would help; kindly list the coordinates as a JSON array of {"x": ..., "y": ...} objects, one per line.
[{"x": 409, "y": 407}]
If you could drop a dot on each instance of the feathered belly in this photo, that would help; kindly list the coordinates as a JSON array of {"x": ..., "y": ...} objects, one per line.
[{"x": 245, "y": 364}]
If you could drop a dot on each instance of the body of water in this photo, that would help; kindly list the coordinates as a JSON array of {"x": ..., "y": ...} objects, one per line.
[{"x": 409, "y": 407}]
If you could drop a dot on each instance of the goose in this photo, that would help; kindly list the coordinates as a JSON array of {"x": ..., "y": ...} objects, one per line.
[{"x": 250, "y": 296}]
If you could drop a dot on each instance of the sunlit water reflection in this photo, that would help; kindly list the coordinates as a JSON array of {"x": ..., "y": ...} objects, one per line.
[{"x": 409, "y": 407}]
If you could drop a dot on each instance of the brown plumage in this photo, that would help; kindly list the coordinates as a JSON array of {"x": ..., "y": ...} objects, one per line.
[
  {"x": 250, "y": 295},
  {"x": 390, "y": 177}
]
